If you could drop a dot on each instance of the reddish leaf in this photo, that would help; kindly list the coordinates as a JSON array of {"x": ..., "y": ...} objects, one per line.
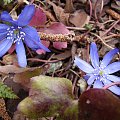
[
  {"x": 46, "y": 44},
  {"x": 99, "y": 104},
  {"x": 39, "y": 18},
  {"x": 58, "y": 28},
  {"x": 60, "y": 45}
]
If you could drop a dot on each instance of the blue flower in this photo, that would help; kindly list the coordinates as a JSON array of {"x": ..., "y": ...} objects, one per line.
[
  {"x": 99, "y": 73},
  {"x": 18, "y": 32}
]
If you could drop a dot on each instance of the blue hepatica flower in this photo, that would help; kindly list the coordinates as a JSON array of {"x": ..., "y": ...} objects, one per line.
[
  {"x": 99, "y": 73},
  {"x": 17, "y": 31}
]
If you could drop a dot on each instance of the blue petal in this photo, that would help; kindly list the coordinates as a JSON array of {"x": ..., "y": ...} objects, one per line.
[
  {"x": 84, "y": 66},
  {"x": 26, "y": 15},
  {"x": 98, "y": 84},
  {"x": 91, "y": 79},
  {"x": 3, "y": 28},
  {"x": 5, "y": 46},
  {"x": 113, "y": 78},
  {"x": 94, "y": 55},
  {"x": 5, "y": 16},
  {"x": 3, "y": 35},
  {"x": 30, "y": 43},
  {"x": 87, "y": 76},
  {"x": 113, "y": 67},
  {"x": 108, "y": 57},
  {"x": 31, "y": 34},
  {"x": 114, "y": 88},
  {"x": 20, "y": 50}
]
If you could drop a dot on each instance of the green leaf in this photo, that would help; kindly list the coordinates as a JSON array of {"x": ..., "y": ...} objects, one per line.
[
  {"x": 7, "y": 1},
  {"x": 49, "y": 96},
  {"x": 6, "y": 92}
]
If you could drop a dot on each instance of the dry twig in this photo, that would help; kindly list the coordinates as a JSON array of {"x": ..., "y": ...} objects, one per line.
[{"x": 114, "y": 14}]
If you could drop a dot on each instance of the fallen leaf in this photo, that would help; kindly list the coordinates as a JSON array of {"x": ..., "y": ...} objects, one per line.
[
  {"x": 59, "y": 12},
  {"x": 69, "y": 8},
  {"x": 63, "y": 55},
  {"x": 39, "y": 18},
  {"x": 79, "y": 18},
  {"x": 12, "y": 69},
  {"x": 10, "y": 59},
  {"x": 54, "y": 66},
  {"x": 26, "y": 75}
]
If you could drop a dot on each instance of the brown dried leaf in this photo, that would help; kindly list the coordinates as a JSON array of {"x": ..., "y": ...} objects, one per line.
[
  {"x": 63, "y": 55},
  {"x": 26, "y": 75},
  {"x": 79, "y": 18},
  {"x": 11, "y": 69},
  {"x": 59, "y": 12},
  {"x": 10, "y": 59},
  {"x": 69, "y": 8}
]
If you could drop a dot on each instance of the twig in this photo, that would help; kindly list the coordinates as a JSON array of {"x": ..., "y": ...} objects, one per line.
[
  {"x": 109, "y": 85},
  {"x": 76, "y": 28},
  {"x": 115, "y": 23},
  {"x": 111, "y": 36},
  {"x": 102, "y": 40},
  {"x": 101, "y": 8},
  {"x": 90, "y": 8},
  {"x": 45, "y": 61},
  {"x": 114, "y": 14}
]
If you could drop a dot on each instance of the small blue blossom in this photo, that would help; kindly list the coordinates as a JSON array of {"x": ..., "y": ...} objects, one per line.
[
  {"x": 99, "y": 73},
  {"x": 18, "y": 32}
]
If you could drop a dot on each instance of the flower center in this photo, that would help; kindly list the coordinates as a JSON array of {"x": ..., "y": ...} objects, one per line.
[
  {"x": 16, "y": 31},
  {"x": 101, "y": 73},
  {"x": 15, "y": 34}
]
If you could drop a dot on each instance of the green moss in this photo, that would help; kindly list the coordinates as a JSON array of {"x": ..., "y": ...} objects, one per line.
[{"x": 71, "y": 113}]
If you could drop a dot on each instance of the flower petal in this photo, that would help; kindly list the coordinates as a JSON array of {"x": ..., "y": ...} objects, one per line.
[
  {"x": 91, "y": 79},
  {"x": 114, "y": 88},
  {"x": 86, "y": 77},
  {"x": 113, "y": 78},
  {"x": 3, "y": 35},
  {"x": 113, "y": 67},
  {"x": 84, "y": 66},
  {"x": 32, "y": 35},
  {"x": 98, "y": 84},
  {"x": 3, "y": 28},
  {"x": 5, "y": 46},
  {"x": 5, "y": 16},
  {"x": 94, "y": 55},
  {"x": 30, "y": 43},
  {"x": 26, "y": 15},
  {"x": 108, "y": 57},
  {"x": 21, "y": 55}
]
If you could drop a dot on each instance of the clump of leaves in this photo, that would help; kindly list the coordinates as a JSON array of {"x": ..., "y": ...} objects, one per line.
[{"x": 6, "y": 92}]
